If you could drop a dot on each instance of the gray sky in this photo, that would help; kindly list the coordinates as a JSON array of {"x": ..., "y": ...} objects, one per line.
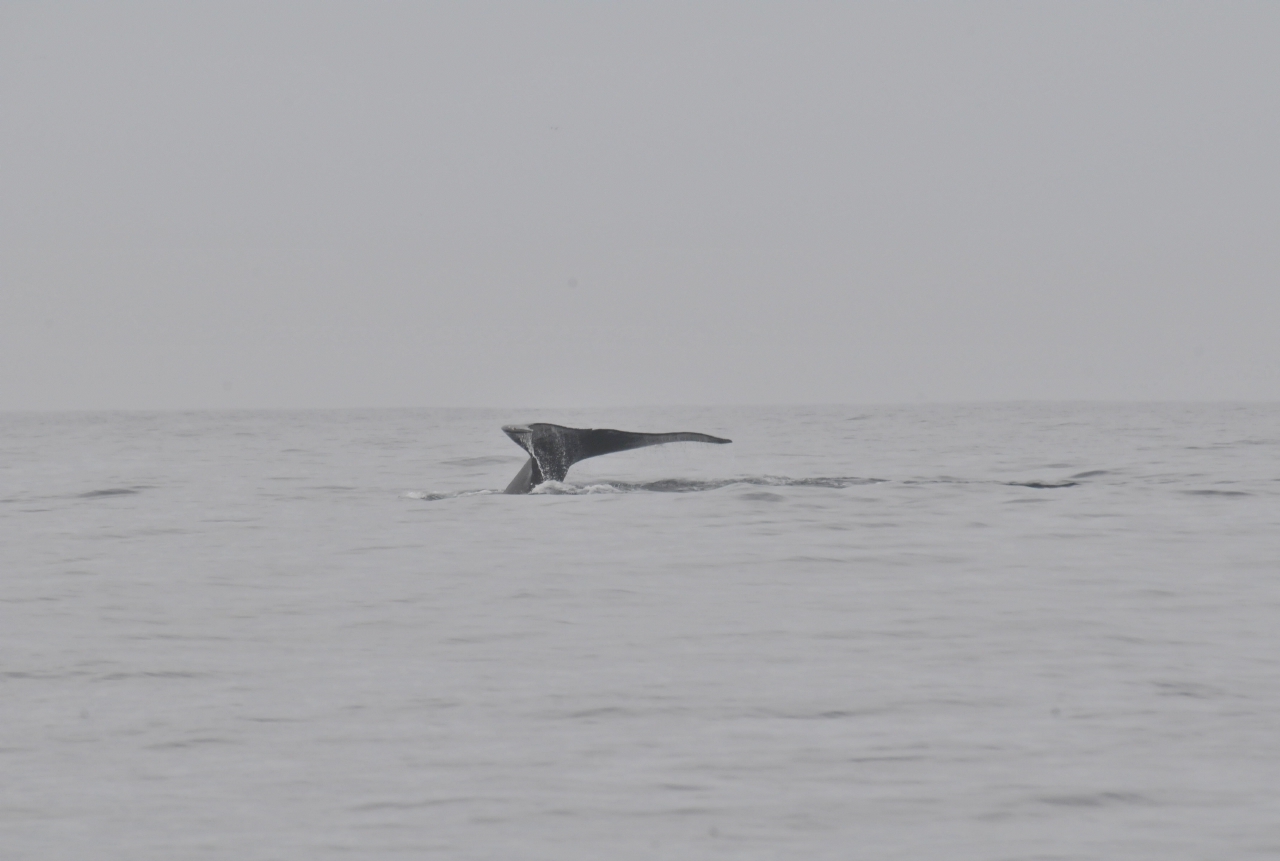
[{"x": 526, "y": 204}]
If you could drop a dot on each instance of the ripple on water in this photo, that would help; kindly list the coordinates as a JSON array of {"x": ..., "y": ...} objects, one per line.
[
  {"x": 763, "y": 496},
  {"x": 1095, "y": 799}
]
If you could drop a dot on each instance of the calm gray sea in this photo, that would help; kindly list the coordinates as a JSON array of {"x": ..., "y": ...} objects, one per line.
[{"x": 961, "y": 632}]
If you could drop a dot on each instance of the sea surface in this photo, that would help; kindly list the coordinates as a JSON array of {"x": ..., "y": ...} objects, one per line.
[{"x": 1022, "y": 631}]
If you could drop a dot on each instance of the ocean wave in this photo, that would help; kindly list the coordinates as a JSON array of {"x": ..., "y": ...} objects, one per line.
[
  {"x": 665, "y": 485},
  {"x": 687, "y": 485}
]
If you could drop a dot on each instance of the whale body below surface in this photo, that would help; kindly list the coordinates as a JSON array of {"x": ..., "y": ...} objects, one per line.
[{"x": 554, "y": 448}]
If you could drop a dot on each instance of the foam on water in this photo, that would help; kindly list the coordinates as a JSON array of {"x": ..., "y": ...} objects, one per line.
[{"x": 989, "y": 631}]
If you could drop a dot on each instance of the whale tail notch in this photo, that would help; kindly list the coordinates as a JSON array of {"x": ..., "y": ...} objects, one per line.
[{"x": 554, "y": 448}]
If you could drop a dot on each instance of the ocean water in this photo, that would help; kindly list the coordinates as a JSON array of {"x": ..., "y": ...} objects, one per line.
[{"x": 962, "y": 632}]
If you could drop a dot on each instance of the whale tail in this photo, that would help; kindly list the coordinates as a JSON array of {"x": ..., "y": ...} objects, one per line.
[{"x": 554, "y": 448}]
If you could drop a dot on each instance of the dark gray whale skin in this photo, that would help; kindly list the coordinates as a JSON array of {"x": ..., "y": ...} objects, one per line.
[{"x": 554, "y": 448}]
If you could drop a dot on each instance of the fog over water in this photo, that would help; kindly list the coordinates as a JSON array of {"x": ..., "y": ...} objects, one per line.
[
  {"x": 268, "y": 269},
  {"x": 888, "y": 632}
]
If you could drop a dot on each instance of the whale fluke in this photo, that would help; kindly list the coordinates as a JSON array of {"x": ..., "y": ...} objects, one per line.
[{"x": 553, "y": 448}]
